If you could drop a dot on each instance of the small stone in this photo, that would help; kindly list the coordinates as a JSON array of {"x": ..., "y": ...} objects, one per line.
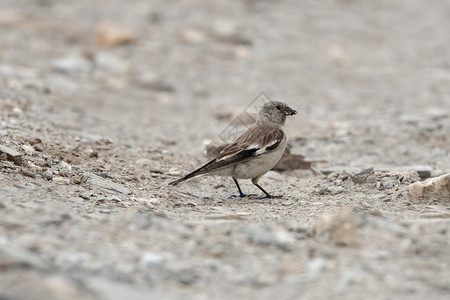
[
  {"x": 144, "y": 162},
  {"x": 32, "y": 166},
  {"x": 12, "y": 154},
  {"x": 110, "y": 62},
  {"x": 154, "y": 201},
  {"x": 4, "y": 132},
  {"x": 77, "y": 179},
  {"x": 388, "y": 185},
  {"x": 109, "y": 34},
  {"x": 77, "y": 200},
  {"x": 287, "y": 203},
  {"x": 28, "y": 172},
  {"x": 192, "y": 36},
  {"x": 364, "y": 176},
  {"x": 278, "y": 237},
  {"x": 341, "y": 228},
  {"x": 66, "y": 167},
  {"x": 152, "y": 81},
  {"x": 28, "y": 149},
  {"x": 61, "y": 180},
  {"x": 335, "y": 190},
  {"x": 432, "y": 189},
  {"x": 174, "y": 171},
  {"x": 151, "y": 259},
  {"x": 227, "y": 31},
  {"x": 48, "y": 175},
  {"x": 38, "y": 147},
  {"x": 72, "y": 64}
]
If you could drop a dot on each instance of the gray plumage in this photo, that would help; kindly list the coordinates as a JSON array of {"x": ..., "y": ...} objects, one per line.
[{"x": 253, "y": 153}]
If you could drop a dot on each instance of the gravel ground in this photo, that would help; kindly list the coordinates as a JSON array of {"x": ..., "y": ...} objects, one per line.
[{"x": 105, "y": 102}]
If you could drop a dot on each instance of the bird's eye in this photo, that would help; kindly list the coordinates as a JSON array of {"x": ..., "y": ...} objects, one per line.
[{"x": 278, "y": 107}]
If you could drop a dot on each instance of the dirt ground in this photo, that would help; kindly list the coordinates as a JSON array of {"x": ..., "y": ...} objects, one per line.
[{"x": 108, "y": 101}]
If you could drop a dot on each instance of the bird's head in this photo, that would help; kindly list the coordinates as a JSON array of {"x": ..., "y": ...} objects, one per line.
[{"x": 275, "y": 112}]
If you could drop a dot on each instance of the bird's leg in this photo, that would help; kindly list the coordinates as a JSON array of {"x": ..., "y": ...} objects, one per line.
[
  {"x": 266, "y": 193},
  {"x": 241, "y": 194}
]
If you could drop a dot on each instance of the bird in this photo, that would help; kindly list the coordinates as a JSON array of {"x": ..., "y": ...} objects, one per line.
[{"x": 254, "y": 152}]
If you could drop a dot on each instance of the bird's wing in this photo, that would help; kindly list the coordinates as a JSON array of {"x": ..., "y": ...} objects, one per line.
[{"x": 255, "y": 141}]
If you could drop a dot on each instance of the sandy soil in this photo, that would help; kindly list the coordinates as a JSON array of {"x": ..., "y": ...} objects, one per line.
[{"x": 102, "y": 128}]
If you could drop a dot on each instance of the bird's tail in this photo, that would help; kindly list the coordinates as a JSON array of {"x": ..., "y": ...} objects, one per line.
[
  {"x": 190, "y": 175},
  {"x": 202, "y": 170}
]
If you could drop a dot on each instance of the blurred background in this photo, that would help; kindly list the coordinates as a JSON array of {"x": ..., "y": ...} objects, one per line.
[
  {"x": 106, "y": 101},
  {"x": 369, "y": 78}
]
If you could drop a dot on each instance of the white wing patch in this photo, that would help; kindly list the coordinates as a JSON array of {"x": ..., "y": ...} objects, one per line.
[
  {"x": 264, "y": 150},
  {"x": 253, "y": 147}
]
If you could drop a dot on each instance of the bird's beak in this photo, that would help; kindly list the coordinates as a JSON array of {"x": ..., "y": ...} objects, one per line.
[{"x": 290, "y": 112}]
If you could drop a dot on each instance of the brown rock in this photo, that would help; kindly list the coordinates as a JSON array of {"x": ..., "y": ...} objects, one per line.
[
  {"x": 110, "y": 34},
  {"x": 28, "y": 172},
  {"x": 12, "y": 154},
  {"x": 291, "y": 161},
  {"x": 436, "y": 188},
  {"x": 341, "y": 228}
]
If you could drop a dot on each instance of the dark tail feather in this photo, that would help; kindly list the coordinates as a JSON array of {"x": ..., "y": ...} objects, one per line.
[
  {"x": 190, "y": 175},
  {"x": 199, "y": 171}
]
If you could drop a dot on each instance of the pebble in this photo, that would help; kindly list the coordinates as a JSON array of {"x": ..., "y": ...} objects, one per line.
[
  {"x": 48, "y": 174},
  {"x": 364, "y": 176},
  {"x": 32, "y": 166},
  {"x": 61, "y": 180},
  {"x": 28, "y": 172},
  {"x": 38, "y": 147},
  {"x": 4, "y": 132},
  {"x": 28, "y": 149},
  {"x": 78, "y": 201},
  {"x": 436, "y": 188},
  {"x": 388, "y": 185},
  {"x": 150, "y": 259},
  {"x": 11, "y": 154},
  {"x": 341, "y": 227},
  {"x": 192, "y": 36},
  {"x": 335, "y": 190},
  {"x": 72, "y": 64},
  {"x": 65, "y": 166},
  {"x": 174, "y": 171},
  {"x": 287, "y": 203},
  {"x": 110, "y": 62},
  {"x": 143, "y": 162},
  {"x": 154, "y": 82},
  {"x": 265, "y": 235},
  {"x": 108, "y": 34}
]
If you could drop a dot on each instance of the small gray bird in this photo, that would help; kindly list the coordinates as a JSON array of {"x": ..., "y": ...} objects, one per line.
[{"x": 255, "y": 152}]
